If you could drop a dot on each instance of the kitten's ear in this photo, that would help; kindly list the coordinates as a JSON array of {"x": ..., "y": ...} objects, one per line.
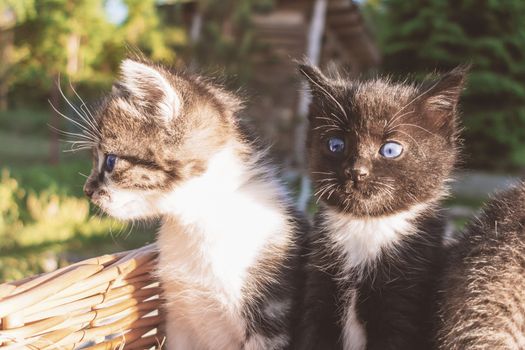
[
  {"x": 149, "y": 89},
  {"x": 441, "y": 97},
  {"x": 316, "y": 79}
]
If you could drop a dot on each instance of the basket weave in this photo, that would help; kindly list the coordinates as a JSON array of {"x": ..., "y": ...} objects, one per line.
[{"x": 108, "y": 302}]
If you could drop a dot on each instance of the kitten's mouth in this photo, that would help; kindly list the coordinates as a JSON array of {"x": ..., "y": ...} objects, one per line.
[{"x": 359, "y": 189}]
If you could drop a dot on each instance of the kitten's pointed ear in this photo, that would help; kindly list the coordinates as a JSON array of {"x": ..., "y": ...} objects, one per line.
[
  {"x": 149, "y": 89},
  {"x": 316, "y": 79},
  {"x": 441, "y": 97}
]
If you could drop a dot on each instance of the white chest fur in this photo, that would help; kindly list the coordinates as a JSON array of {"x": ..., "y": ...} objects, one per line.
[
  {"x": 216, "y": 228},
  {"x": 362, "y": 241}
]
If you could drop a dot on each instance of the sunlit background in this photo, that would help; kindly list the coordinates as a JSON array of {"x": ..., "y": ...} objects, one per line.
[{"x": 51, "y": 48}]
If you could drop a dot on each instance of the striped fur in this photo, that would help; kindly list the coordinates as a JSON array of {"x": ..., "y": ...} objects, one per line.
[{"x": 483, "y": 294}]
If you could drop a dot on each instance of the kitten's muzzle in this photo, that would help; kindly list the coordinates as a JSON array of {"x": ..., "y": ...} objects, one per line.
[
  {"x": 88, "y": 191},
  {"x": 89, "y": 188},
  {"x": 357, "y": 173}
]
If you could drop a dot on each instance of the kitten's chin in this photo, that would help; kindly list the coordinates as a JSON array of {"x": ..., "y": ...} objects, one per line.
[
  {"x": 128, "y": 205},
  {"x": 126, "y": 214},
  {"x": 359, "y": 204}
]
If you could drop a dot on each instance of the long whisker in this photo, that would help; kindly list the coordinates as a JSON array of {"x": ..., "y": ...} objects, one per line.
[
  {"x": 319, "y": 193},
  {"x": 84, "y": 129},
  {"x": 416, "y": 98},
  {"x": 326, "y": 180},
  {"x": 327, "y": 128},
  {"x": 331, "y": 192},
  {"x": 76, "y": 149},
  {"x": 74, "y": 134},
  {"x": 328, "y": 119},
  {"x": 323, "y": 173},
  {"x": 416, "y": 126},
  {"x": 391, "y": 121},
  {"x": 89, "y": 125},
  {"x": 327, "y": 93},
  {"x": 415, "y": 141},
  {"x": 337, "y": 118},
  {"x": 81, "y": 100}
]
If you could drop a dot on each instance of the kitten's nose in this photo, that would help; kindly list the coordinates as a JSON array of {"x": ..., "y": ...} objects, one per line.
[
  {"x": 357, "y": 173},
  {"x": 89, "y": 190}
]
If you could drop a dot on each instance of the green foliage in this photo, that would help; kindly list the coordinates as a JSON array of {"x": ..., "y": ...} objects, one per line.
[
  {"x": 22, "y": 9},
  {"x": 76, "y": 40},
  {"x": 45, "y": 222},
  {"x": 143, "y": 29},
  {"x": 25, "y": 122},
  {"x": 31, "y": 220},
  {"x": 66, "y": 37},
  {"x": 424, "y": 35}
]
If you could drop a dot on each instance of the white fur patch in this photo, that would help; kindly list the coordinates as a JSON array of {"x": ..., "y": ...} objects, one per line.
[
  {"x": 138, "y": 78},
  {"x": 259, "y": 342},
  {"x": 216, "y": 227},
  {"x": 362, "y": 240},
  {"x": 354, "y": 334},
  {"x": 277, "y": 308},
  {"x": 129, "y": 204}
]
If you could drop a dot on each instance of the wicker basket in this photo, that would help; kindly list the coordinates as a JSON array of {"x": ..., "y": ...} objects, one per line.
[{"x": 108, "y": 302}]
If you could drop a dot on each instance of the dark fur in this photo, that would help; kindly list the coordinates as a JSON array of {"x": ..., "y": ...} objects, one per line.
[
  {"x": 395, "y": 301},
  {"x": 396, "y": 293},
  {"x": 483, "y": 295}
]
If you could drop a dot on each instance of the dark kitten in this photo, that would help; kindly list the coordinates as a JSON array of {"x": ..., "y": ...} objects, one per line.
[
  {"x": 483, "y": 293},
  {"x": 380, "y": 154},
  {"x": 170, "y": 145}
]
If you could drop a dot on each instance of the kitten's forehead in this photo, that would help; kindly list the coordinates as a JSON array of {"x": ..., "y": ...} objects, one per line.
[
  {"x": 125, "y": 130},
  {"x": 378, "y": 100}
]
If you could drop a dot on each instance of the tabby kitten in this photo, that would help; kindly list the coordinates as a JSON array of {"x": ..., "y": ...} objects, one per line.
[
  {"x": 170, "y": 145},
  {"x": 484, "y": 283},
  {"x": 380, "y": 154}
]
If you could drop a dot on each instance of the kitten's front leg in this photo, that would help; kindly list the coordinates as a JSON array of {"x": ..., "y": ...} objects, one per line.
[
  {"x": 319, "y": 328},
  {"x": 402, "y": 325},
  {"x": 177, "y": 336},
  {"x": 260, "y": 342}
]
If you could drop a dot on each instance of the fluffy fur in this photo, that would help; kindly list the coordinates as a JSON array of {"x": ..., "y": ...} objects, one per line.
[
  {"x": 483, "y": 296},
  {"x": 375, "y": 251},
  {"x": 229, "y": 240}
]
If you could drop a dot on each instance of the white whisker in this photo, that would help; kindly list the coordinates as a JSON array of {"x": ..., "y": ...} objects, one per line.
[
  {"x": 89, "y": 125},
  {"x": 327, "y": 94},
  {"x": 415, "y": 99},
  {"x": 84, "y": 129}
]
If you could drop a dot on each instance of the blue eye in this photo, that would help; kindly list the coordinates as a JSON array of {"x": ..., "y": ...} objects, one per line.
[
  {"x": 111, "y": 159},
  {"x": 391, "y": 150},
  {"x": 336, "y": 145}
]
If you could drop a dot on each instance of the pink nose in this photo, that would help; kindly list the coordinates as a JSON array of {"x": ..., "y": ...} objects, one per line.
[{"x": 88, "y": 190}]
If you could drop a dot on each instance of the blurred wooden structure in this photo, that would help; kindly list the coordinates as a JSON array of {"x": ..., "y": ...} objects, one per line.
[
  {"x": 345, "y": 43},
  {"x": 283, "y": 34},
  {"x": 346, "y": 40}
]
